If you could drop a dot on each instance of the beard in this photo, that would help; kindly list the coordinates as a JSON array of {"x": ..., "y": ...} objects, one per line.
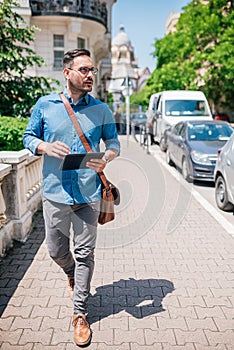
[{"x": 86, "y": 86}]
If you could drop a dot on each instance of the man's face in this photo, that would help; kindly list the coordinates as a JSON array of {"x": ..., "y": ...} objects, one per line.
[{"x": 77, "y": 80}]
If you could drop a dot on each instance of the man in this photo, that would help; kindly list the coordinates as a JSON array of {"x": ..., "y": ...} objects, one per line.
[{"x": 72, "y": 197}]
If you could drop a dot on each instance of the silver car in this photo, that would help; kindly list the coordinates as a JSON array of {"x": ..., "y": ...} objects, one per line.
[{"x": 224, "y": 177}]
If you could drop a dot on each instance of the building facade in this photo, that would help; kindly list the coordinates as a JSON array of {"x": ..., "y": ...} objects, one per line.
[{"x": 68, "y": 24}]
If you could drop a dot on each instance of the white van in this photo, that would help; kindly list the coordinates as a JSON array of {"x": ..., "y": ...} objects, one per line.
[{"x": 168, "y": 108}]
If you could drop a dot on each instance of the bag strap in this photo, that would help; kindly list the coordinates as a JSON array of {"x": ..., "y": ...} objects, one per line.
[
  {"x": 76, "y": 123},
  {"x": 81, "y": 135}
]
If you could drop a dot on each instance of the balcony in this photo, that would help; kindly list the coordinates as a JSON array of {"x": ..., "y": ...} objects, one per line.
[{"x": 89, "y": 9}]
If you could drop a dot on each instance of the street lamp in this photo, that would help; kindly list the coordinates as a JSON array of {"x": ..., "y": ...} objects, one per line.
[{"x": 127, "y": 91}]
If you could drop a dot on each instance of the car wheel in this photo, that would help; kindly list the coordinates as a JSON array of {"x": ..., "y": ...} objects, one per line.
[
  {"x": 168, "y": 158},
  {"x": 185, "y": 170},
  {"x": 221, "y": 196},
  {"x": 162, "y": 145}
]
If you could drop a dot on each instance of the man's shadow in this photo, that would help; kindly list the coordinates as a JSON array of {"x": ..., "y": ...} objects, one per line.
[{"x": 139, "y": 298}]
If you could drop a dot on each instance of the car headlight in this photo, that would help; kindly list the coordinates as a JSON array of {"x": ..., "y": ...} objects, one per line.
[{"x": 200, "y": 158}]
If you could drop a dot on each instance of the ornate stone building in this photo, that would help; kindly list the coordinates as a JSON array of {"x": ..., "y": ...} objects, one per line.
[
  {"x": 68, "y": 24},
  {"x": 124, "y": 64}
]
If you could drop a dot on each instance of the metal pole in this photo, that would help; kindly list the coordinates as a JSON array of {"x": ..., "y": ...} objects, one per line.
[
  {"x": 128, "y": 114},
  {"x": 147, "y": 140}
]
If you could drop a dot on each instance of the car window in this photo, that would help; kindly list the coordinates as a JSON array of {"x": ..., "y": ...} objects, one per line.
[
  {"x": 186, "y": 108},
  {"x": 209, "y": 132},
  {"x": 177, "y": 128},
  {"x": 182, "y": 131},
  {"x": 139, "y": 116}
]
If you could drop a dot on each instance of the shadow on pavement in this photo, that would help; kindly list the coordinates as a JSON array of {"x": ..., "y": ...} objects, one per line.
[
  {"x": 18, "y": 259},
  {"x": 139, "y": 298}
]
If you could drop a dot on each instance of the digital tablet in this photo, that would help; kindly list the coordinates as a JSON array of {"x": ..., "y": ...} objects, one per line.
[{"x": 78, "y": 161}]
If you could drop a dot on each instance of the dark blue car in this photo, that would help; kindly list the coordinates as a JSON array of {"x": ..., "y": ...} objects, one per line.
[{"x": 193, "y": 147}]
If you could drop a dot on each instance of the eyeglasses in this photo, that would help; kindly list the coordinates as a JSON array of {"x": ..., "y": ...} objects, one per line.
[{"x": 85, "y": 70}]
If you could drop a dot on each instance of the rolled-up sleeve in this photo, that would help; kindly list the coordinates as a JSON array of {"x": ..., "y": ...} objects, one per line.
[
  {"x": 110, "y": 135},
  {"x": 34, "y": 132}
]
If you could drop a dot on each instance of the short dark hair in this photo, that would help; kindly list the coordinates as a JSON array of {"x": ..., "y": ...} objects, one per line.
[{"x": 69, "y": 56}]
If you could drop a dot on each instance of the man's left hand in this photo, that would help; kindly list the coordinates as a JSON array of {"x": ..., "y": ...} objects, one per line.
[{"x": 96, "y": 164}]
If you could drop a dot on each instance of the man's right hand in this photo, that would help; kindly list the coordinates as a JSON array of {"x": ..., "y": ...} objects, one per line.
[{"x": 55, "y": 149}]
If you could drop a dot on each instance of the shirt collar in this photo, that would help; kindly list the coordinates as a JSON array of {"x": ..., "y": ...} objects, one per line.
[{"x": 84, "y": 101}]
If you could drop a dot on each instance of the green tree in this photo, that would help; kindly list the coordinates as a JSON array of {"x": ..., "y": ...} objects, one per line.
[
  {"x": 199, "y": 55},
  {"x": 18, "y": 90}
]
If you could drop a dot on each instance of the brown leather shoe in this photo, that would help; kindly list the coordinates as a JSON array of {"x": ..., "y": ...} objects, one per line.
[
  {"x": 82, "y": 331},
  {"x": 71, "y": 283}
]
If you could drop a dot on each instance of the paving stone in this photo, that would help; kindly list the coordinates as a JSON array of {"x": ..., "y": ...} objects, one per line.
[
  {"x": 178, "y": 323},
  {"x": 220, "y": 301},
  {"x": 7, "y": 346},
  {"x": 61, "y": 336},
  {"x": 176, "y": 312},
  {"x": 143, "y": 323},
  {"x": 206, "y": 323},
  {"x": 5, "y": 323},
  {"x": 11, "y": 337},
  {"x": 41, "y": 301},
  {"x": 155, "y": 346},
  {"x": 104, "y": 337},
  {"x": 194, "y": 292},
  {"x": 54, "y": 301},
  {"x": 223, "y": 325},
  {"x": 183, "y": 337},
  {"x": 159, "y": 336},
  {"x": 215, "y": 338},
  {"x": 58, "y": 324},
  {"x": 228, "y": 312},
  {"x": 51, "y": 312},
  {"x": 30, "y": 292},
  {"x": 115, "y": 323},
  {"x": 23, "y": 311},
  {"x": 188, "y": 346},
  {"x": 191, "y": 301},
  {"x": 22, "y": 323},
  {"x": 43, "y": 337},
  {"x": 136, "y": 336},
  {"x": 222, "y": 292},
  {"x": 39, "y": 346},
  {"x": 217, "y": 347},
  {"x": 203, "y": 312}
]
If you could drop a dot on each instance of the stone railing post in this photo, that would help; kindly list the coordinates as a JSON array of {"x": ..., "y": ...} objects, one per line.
[
  {"x": 14, "y": 187},
  {"x": 4, "y": 170}
]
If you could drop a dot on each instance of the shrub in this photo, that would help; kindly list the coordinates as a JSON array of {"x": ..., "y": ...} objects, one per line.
[{"x": 11, "y": 133}]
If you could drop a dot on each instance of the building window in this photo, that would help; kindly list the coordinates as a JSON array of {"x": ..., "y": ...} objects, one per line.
[
  {"x": 80, "y": 43},
  {"x": 58, "y": 58},
  {"x": 58, "y": 51},
  {"x": 58, "y": 40}
]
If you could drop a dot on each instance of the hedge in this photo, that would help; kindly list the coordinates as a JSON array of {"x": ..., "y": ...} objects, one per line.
[{"x": 11, "y": 133}]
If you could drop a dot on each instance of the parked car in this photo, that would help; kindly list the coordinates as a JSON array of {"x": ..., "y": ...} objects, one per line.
[
  {"x": 138, "y": 120},
  {"x": 167, "y": 108},
  {"x": 224, "y": 177},
  {"x": 193, "y": 147}
]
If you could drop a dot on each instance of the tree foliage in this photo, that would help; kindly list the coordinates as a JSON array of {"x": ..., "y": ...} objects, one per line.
[
  {"x": 199, "y": 55},
  {"x": 19, "y": 90}
]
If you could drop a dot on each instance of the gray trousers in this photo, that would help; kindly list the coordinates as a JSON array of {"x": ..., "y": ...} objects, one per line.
[{"x": 59, "y": 219}]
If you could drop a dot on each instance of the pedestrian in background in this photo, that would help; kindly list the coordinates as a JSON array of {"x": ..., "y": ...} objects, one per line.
[
  {"x": 72, "y": 197},
  {"x": 150, "y": 130},
  {"x": 118, "y": 120}
]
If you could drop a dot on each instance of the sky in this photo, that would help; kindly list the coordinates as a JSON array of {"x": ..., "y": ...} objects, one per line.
[{"x": 144, "y": 21}]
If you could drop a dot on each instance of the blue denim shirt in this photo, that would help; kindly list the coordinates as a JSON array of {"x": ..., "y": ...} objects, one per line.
[{"x": 50, "y": 122}]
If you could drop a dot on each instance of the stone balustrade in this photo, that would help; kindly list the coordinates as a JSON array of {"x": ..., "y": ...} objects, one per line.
[{"x": 20, "y": 195}]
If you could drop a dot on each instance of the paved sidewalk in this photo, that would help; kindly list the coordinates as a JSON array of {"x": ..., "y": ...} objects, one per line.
[{"x": 163, "y": 277}]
